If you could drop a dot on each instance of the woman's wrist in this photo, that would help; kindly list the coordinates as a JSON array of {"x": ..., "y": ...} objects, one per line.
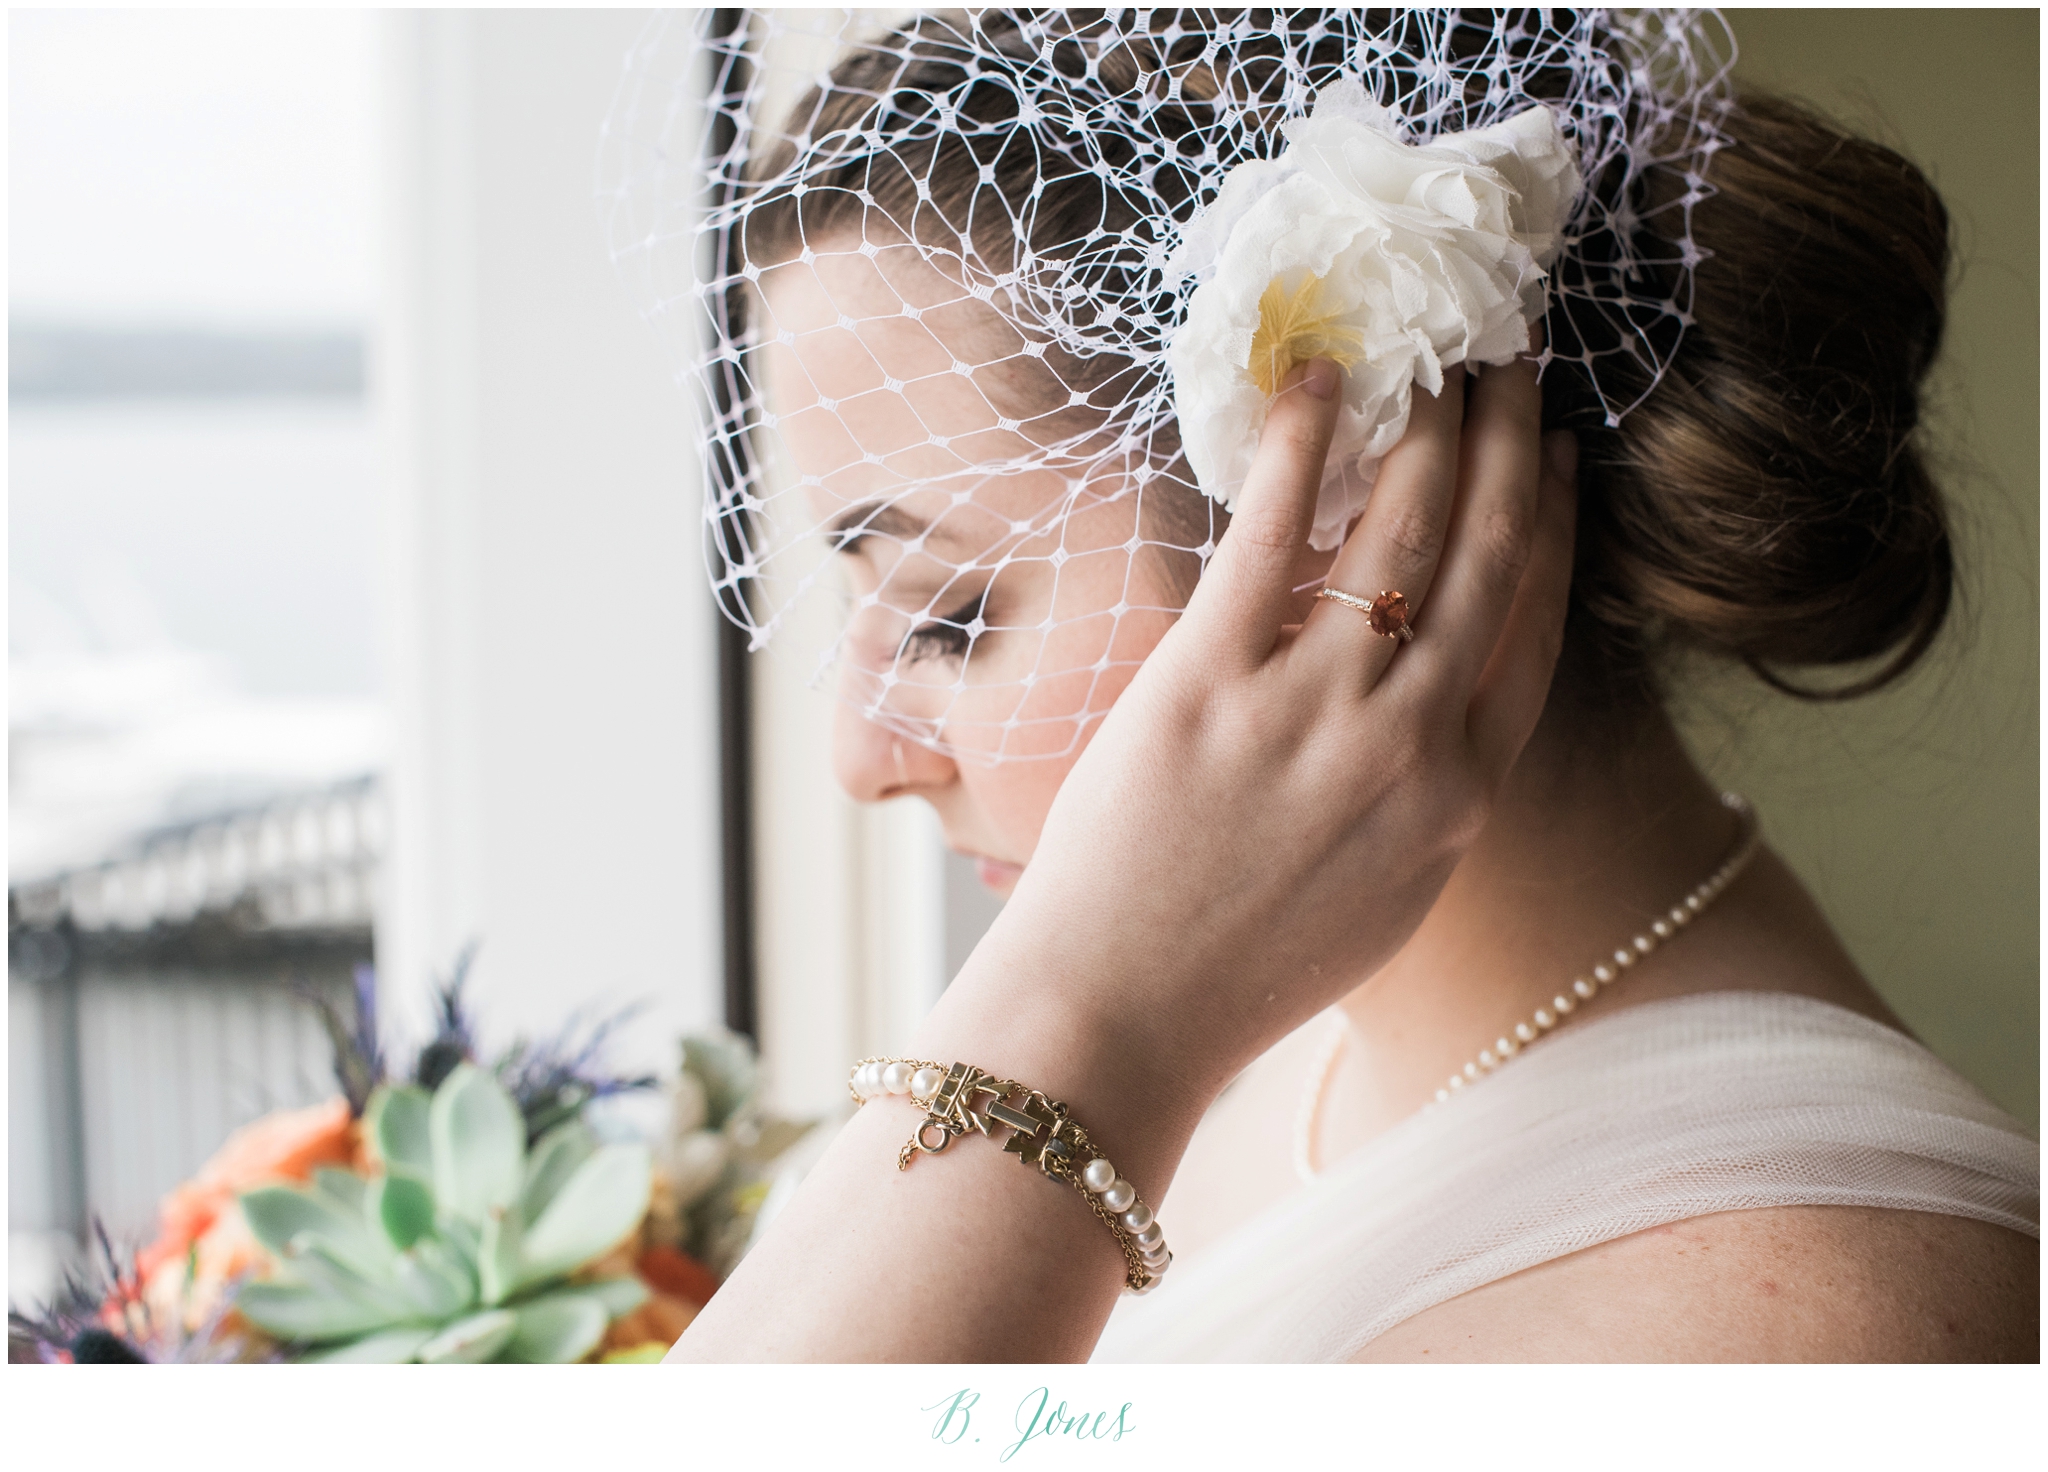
[{"x": 1069, "y": 1023}]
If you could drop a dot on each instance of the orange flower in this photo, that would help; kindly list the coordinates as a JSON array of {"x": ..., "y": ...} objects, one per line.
[
  {"x": 188, "y": 1288},
  {"x": 286, "y": 1145},
  {"x": 677, "y": 1274},
  {"x": 182, "y": 1217}
]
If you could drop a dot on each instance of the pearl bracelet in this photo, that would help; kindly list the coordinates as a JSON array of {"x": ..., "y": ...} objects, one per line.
[{"x": 964, "y": 1097}]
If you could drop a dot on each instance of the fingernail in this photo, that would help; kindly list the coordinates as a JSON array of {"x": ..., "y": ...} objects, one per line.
[{"x": 1320, "y": 381}]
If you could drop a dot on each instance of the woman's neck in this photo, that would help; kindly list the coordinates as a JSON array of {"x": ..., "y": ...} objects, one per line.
[{"x": 1594, "y": 836}]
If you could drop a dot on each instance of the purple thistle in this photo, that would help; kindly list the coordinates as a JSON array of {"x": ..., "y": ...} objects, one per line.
[
  {"x": 554, "y": 1079},
  {"x": 72, "y": 1327},
  {"x": 358, "y": 1057},
  {"x": 367, "y": 1046},
  {"x": 454, "y": 1040}
]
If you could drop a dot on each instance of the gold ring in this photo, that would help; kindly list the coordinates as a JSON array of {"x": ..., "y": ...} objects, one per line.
[{"x": 1388, "y": 613}]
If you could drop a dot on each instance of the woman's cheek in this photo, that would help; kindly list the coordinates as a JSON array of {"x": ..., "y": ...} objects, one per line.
[
  {"x": 1017, "y": 794},
  {"x": 1016, "y": 797}
]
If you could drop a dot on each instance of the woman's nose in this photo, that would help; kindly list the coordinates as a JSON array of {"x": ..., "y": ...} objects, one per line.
[{"x": 874, "y": 764}]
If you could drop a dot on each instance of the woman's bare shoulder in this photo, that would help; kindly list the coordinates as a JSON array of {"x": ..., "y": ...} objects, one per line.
[{"x": 1796, "y": 1283}]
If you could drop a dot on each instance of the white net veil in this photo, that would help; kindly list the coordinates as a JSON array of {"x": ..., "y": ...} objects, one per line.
[{"x": 923, "y": 272}]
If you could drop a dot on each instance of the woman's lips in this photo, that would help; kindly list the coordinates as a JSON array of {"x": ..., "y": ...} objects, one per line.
[{"x": 995, "y": 874}]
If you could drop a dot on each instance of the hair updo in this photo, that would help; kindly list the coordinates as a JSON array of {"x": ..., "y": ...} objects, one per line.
[
  {"x": 1767, "y": 501},
  {"x": 1770, "y": 499}
]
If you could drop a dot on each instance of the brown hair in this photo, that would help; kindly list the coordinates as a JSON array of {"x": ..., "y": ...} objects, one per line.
[{"x": 1768, "y": 501}]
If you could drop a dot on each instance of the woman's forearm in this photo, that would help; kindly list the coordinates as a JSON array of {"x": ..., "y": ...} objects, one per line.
[{"x": 970, "y": 1254}]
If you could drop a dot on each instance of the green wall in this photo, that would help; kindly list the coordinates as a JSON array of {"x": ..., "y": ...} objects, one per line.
[{"x": 1914, "y": 814}]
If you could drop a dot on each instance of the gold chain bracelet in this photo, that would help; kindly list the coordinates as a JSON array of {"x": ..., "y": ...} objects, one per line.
[{"x": 1042, "y": 1133}]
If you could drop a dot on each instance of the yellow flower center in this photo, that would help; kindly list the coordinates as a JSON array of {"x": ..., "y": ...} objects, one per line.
[{"x": 1295, "y": 328}]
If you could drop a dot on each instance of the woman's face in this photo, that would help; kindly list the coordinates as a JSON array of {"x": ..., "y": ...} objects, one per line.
[{"x": 997, "y": 612}]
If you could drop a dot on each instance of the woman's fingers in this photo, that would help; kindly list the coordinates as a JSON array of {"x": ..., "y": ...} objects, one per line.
[
  {"x": 1515, "y": 684},
  {"x": 1397, "y": 543},
  {"x": 1489, "y": 539},
  {"x": 1246, "y": 592}
]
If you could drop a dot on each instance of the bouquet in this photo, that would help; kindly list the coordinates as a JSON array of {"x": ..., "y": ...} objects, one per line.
[{"x": 457, "y": 1212}]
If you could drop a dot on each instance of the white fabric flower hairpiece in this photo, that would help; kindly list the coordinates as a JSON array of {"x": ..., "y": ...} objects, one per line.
[{"x": 1397, "y": 260}]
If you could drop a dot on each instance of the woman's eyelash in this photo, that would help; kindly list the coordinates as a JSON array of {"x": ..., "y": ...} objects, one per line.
[{"x": 945, "y": 637}]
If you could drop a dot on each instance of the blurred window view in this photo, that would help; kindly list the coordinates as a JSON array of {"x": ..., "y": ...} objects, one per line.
[{"x": 195, "y": 725}]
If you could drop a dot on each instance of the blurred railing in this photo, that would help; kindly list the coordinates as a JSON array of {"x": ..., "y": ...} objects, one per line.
[{"x": 151, "y": 1007}]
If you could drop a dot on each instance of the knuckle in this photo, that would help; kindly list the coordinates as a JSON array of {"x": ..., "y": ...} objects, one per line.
[
  {"x": 1502, "y": 538},
  {"x": 1263, "y": 531},
  {"x": 1257, "y": 549},
  {"x": 1300, "y": 444},
  {"x": 1410, "y": 758},
  {"x": 1243, "y": 716},
  {"x": 1412, "y": 536},
  {"x": 1469, "y": 812},
  {"x": 1462, "y": 794}
]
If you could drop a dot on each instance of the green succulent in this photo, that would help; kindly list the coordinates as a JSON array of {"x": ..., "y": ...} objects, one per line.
[{"x": 461, "y": 1250}]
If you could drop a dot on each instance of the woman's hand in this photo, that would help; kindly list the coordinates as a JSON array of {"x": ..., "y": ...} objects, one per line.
[
  {"x": 1261, "y": 821},
  {"x": 1272, "y": 806}
]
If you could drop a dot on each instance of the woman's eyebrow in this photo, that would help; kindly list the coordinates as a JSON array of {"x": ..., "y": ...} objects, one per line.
[{"x": 873, "y": 519}]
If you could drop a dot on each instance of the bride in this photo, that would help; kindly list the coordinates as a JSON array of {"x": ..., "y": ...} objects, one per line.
[{"x": 1379, "y": 977}]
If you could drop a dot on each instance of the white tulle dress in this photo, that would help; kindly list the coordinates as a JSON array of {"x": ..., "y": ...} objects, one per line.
[{"x": 1670, "y": 1110}]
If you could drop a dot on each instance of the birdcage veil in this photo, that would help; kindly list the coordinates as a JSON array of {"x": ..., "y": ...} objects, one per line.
[{"x": 926, "y": 276}]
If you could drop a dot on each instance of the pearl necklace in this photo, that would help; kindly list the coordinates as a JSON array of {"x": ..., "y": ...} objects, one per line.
[{"x": 1582, "y": 990}]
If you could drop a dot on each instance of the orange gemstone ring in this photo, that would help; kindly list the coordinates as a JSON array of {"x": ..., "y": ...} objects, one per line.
[{"x": 1388, "y": 613}]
